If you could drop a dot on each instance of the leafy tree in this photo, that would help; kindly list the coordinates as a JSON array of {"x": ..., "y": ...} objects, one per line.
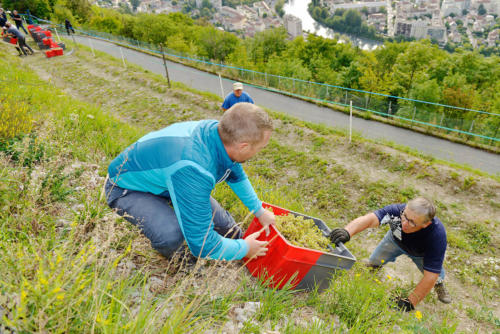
[
  {"x": 481, "y": 10},
  {"x": 40, "y": 8},
  {"x": 216, "y": 44},
  {"x": 412, "y": 63},
  {"x": 135, "y": 4}
]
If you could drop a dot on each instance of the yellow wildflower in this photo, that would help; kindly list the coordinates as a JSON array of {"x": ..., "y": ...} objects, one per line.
[
  {"x": 56, "y": 290},
  {"x": 389, "y": 277},
  {"x": 60, "y": 296},
  {"x": 418, "y": 315},
  {"x": 382, "y": 261},
  {"x": 357, "y": 275}
]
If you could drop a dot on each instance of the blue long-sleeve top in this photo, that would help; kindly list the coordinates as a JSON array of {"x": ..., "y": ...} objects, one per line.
[{"x": 185, "y": 161}]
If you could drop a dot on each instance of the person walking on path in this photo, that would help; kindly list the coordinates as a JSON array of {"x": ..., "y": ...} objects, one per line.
[
  {"x": 69, "y": 27},
  {"x": 415, "y": 232},
  {"x": 3, "y": 18},
  {"x": 18, "y": 20},
  {"x": 236, "y": 96},
  {"x": 163, "y": 183},
  {"x": 21, "y": 41}
]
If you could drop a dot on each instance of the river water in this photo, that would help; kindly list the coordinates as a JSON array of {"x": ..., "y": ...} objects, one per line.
[{"x": 298, "y": 8}]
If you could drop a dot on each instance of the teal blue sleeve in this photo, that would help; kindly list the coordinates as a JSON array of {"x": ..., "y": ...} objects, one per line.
[
  {"x": 245, "y": 192},
  {"x": 190, "y": 188}
]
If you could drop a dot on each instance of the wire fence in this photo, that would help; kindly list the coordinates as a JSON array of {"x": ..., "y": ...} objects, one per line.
[{"x": 466, "y": 124}]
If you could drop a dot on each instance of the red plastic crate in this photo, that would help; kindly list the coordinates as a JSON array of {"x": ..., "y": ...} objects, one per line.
[
  {"x": 47, "y": 33},
  {"x": 57, "y": 51},
  {"x": 302, "y": 268},
  {"x": 13, "y": 40},
  {"x": 49, "y": 53},
  {"x": 38, "y": 29},
  {"x": 47, "y": 41}
]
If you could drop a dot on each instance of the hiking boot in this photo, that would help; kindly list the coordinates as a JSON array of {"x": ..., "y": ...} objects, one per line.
[{"x": 442, "y": 293}]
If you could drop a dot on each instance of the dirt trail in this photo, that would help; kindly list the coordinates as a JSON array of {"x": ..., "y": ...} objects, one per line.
[{"x": 141, "y": 98}]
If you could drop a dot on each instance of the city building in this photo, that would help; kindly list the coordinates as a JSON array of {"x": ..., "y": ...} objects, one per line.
[{"x": 293, "y": 25}]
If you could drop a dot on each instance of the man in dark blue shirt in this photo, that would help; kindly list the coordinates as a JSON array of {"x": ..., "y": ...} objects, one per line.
[
  {"x": 415, "y": 232},
  {"x": 236, "y": 96}
]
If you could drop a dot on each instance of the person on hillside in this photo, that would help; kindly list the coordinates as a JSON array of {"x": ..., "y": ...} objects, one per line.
[
  {"x": 415, "y": 232},
  {"x": 18, "y": 20},
  {"x": 69, "y": 27},
  {"x": 236, "y": 96},
  {"x": 3, "y": 18},
  {"x": 21, "y": 41},
  {"x": 163, "y": 183}
]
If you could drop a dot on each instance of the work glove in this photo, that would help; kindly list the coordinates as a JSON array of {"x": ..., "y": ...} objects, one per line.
[
  {"x": 403, "y": 304},
  {"x": 339, "y": 235}
]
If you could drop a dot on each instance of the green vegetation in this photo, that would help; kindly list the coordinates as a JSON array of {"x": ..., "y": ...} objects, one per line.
[
  {"x": 68, "y": 264},
  {"x": 416, "y": 70},
  {"x": 348, "y": 21}
]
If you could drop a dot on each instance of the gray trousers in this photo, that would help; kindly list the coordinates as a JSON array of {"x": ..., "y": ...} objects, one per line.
[{"x": 155, "y": 217}]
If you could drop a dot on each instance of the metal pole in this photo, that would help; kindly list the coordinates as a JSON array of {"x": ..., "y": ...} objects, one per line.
[
  {"x": 165, "y": 64},
  {"x": 350, "y": 122},
  {"x": 472, "y": 125},
  {"x": 441, "y": 121},
  {"x": 221, "y": 87},
  {"x": 91, "y": 46},
  {"x": 123, "y": 58},
  {"x": 57, "y": 34},
  {"x": 389, "y": 110},
  {"x": 74, "y": 41},
  {"x": 346, "y": 98}
]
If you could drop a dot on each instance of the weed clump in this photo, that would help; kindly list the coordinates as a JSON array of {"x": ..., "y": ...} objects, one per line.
[{"x": 302, "y": 232}]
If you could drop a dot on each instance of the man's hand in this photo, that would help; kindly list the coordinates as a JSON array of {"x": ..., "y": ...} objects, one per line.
[
  {"x": 339, "y": 235},
  {"x": 266, "y": 219},
  {"x": 255, "y": 247},
  {"x": 403, "y": 304}
]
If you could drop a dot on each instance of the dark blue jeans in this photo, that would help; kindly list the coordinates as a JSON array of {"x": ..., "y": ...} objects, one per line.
[{"x": 155, "y": 216}]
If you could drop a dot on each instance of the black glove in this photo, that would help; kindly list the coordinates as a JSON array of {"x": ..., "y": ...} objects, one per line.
[
  {"x": 403, "y": 304},
  {"x": 339, "y": 235}
]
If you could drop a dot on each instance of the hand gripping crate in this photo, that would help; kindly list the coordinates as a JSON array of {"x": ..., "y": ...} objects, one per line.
[{"x": 303, "y": 268}]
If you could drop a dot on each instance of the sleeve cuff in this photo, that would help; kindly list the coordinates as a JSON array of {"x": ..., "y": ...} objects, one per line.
[{"x": 259, "y": 212}]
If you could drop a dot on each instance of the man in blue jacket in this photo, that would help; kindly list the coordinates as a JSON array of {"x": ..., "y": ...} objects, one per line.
[
  {"x": 415, "y": 232},
  {"x": 236, "y": 96},
  {"x": 163, "y": 183}
]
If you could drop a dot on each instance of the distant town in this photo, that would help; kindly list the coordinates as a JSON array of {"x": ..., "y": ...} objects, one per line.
[{"x": 449, "y": 23}]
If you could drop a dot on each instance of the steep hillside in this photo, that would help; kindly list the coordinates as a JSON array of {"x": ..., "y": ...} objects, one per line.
[{"x": 67, "y": 263}]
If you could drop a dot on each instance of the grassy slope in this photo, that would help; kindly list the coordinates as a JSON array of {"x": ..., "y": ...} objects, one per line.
[{"x": 69, "y": 264}]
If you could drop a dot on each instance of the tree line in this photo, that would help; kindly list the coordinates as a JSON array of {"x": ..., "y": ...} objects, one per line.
[{"x": 416, "y": 70}]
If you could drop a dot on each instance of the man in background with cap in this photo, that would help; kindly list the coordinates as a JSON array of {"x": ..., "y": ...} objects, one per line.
[{"x": 236, "y": 96}]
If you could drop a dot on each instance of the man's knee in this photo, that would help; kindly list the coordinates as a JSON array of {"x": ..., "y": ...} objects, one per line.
[{"x": 167, "y": 244}]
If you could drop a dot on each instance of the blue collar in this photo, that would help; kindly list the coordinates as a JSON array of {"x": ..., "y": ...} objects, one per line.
[{"x": 220, "y": 151}]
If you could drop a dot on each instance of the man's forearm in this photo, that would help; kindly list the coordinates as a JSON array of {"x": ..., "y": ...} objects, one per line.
[
  {"x": 361, "y": 223},
  {"x": 423, "y": 287}
]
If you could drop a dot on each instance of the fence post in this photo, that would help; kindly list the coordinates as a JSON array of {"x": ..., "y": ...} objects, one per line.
[
  {"x": 350, "y": 121},
  {"x": 441, "y": 121},
  {"x": 326, "y": 92},
  {"x": 221, "y": 87},
  {"x": 123, "y": 58},
  {"x": 471, "y": 125},
  {"x": 91, "y": 46},
  {"x": 389, "y": 110},
  {"x": 165, "y": 64}
]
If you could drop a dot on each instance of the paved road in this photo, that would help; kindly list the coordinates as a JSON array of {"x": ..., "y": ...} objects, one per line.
[{"x": 439, "y": 148}]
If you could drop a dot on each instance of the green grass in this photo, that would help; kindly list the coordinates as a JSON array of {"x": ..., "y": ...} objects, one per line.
[{"x": 63, "y": 254}]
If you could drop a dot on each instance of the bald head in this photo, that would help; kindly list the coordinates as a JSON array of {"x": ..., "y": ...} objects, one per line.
[{"x": 244, "y": 122}]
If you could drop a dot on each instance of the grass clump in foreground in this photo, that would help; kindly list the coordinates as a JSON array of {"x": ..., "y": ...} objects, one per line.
[{"x": 67, "y": 264}]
